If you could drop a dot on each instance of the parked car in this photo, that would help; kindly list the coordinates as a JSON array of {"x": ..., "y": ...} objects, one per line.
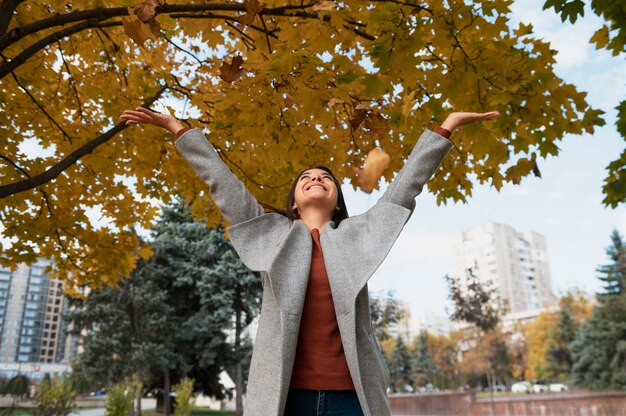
[
  {"x": 539, "y": 388},
  {"x": 521, "y": 387},
  {"x": 558, "y": 387}
]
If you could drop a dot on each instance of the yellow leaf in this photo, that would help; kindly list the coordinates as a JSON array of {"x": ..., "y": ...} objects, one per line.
[
  {"x": 252, "y": 9},
  {"x": 136, "y": 30},
  {"x": 375, "y": 164},
  {"x": 407, "y": 103},
  {"x": 145, "y": 252}
]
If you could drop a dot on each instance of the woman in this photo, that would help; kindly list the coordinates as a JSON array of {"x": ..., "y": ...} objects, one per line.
[{"x": 314, "y": 352}]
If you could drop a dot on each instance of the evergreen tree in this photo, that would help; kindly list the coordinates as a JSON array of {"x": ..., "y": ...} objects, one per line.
[
  {"x": 599, "y": 348},
  {"x": 424, "y": 368},
  {"x": 613, "y": 275},
  {"x": 558, "y": 354},
  {"x": 172, "y": 318},
  {"x": 400, "y": 368}
]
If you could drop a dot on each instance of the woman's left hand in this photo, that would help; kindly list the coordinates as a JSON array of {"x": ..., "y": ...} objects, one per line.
[{"x": 458, "y": 119}]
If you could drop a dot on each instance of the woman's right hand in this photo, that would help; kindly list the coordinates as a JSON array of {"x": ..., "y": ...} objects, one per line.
[{"x": 144, "y": 116}]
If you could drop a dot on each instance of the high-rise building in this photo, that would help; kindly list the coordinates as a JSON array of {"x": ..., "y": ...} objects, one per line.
[
  {"x": 31, "y": 325},
  {"x": 516, "y": 264}
]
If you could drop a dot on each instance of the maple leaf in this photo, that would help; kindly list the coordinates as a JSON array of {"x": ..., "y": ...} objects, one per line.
[
  {"x": 233, "y": 71},
  {"x": 252, "y": 9},
  {"x": 138, "y": 31},
  {"x": 146, "y": 10},
  {"x": 375, "y": 164},
  {"x": 358, "y": 117},
  {"x": 377, "y": 124}
]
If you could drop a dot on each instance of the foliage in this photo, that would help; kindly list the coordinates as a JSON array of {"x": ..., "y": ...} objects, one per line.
[
  {"x": 611, "y": 36},
  {"x": 119, "y": 400},
  {"x": 280, "y": 86},
  {"x": 16, "y": 386},
  {"x": 385, "y": 312},
  {"x": 400, "y": 367},
  {"x": 613, "y": 275},
  {"x": 424, "y": 369},
  {"x": 55, "y": 397},
  {"x": 558, "y": 354},
  {"x": 184, "y": 397},
  {"x": 474, "y": 302},
  {"x": 599, "y": 348},
  {"x": 537, "y": 335},
  {"x": 173, "y": 314},
  {"x": 445, "y": 354}
]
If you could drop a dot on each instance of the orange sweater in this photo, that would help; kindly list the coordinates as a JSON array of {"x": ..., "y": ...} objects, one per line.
[{"x": 320, "y": 362}]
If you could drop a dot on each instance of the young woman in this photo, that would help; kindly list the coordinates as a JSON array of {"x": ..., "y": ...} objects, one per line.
[{"x": 314, "y": 353}]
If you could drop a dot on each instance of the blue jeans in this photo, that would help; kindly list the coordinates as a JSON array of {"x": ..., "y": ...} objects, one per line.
[{"x": 304, "y": 402}]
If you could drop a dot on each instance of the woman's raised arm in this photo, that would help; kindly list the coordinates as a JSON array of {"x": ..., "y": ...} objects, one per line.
[
  {"x": 230, "y": 195},
  {"x": 425, "y": 158}
]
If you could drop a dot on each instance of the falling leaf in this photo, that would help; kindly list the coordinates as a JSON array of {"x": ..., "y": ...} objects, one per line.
[
  {"x": 324, "y": 5},
  {"x": 233, "y": 71},
  {"x": 252, "y": 9},
  {"x": 358, "y": 117},
  {"x": 375, "y": 164},
  {"x": 136, "y": 30},
  {"x": 146, "y": 10},
  {"x": 377, "y": 124},
  {"x": 333, "y": 101},
  {"x": 407, "y": 103}
]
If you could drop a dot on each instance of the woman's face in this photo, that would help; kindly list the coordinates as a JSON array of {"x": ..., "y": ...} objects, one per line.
[{"x": 316, "y": 188}]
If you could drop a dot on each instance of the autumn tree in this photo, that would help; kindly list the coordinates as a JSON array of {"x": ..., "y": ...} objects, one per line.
[
  {"x": 277, "y": 86},
  {"x": 612, "y": 37}
]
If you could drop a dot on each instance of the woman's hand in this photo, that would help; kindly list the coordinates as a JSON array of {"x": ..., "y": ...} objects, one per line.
[
  {"x": 144, "y": 116},
  {"x": 458, "y": 119}
]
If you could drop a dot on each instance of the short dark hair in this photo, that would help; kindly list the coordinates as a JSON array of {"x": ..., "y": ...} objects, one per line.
[{"x": 338, "y": 216}]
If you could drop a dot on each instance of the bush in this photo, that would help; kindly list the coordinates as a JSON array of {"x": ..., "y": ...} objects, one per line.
[
  {"x": 184, "y": 397},
  {"x": 55, "y": 397},
  {"x": 119, "y": 401}
]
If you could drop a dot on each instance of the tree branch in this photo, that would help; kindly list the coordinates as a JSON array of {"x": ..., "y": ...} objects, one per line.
[
  {"x": 54, "y": 171},
  {"x": 7, "y": 8}
]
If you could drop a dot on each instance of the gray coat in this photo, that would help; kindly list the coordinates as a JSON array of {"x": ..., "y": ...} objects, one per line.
[{"x": 281, "y": 251}]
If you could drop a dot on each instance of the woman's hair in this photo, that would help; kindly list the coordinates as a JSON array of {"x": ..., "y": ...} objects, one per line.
[{"x": 338, "y": 215}]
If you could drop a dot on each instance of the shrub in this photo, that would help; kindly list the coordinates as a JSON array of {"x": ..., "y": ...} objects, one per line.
[
  {"x": 119, "y": 401},
  {"x": 184, "y": 397},
  {"x": 55, "y": 397}
]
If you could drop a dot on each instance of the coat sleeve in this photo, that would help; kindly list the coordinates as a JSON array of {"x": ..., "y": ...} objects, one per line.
[
  {"x": 425, "y": 158},
  {"x": 230, "y": 195}
]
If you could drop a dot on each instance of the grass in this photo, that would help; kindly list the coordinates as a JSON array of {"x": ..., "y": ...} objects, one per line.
[{"x": 19, "y": 412}]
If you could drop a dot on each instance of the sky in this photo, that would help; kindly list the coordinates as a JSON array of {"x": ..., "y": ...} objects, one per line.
[{"x": 564, "y": 205}]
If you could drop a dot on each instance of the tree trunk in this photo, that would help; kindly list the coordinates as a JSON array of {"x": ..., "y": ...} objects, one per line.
[
  {"x": 166, "y": 392},
  {"x": 138, "y": 390},
  {"x": 238, "y": 369}
]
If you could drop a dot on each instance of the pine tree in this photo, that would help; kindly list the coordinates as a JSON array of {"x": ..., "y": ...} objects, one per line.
[
  {"x": 599, "y": 348},
  {"x": 424, "y": 369},
  {"x": 171, "y": 319},
  {"x": 613, "y": 275},
  {"x": 558, "y": 354},
  {"x": 400, "y": 368}
]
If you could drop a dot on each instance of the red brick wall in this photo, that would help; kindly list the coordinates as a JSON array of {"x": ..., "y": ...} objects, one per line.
[{"x": 562, "y": 404}]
